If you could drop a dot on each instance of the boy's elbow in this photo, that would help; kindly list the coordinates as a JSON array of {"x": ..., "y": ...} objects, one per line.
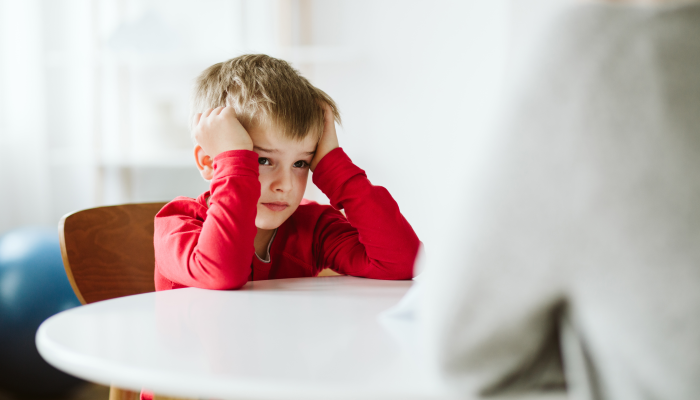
[
  {"x": 221, "y": 280},
  {"x": 405, "y": 272},
  {"x": 401, "y": 267},
  {"x": 215, "y": 276},
  {"x": 405, "y": 267},
  {"x": 405, "y": 264},
  {"x": 223, "y": 284},
  {"x": 396, "y": 271},
  {"x": 234, "y": 286}
]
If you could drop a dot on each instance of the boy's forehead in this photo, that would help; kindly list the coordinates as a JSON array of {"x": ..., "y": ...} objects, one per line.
[{"x": 274, "y": 139}]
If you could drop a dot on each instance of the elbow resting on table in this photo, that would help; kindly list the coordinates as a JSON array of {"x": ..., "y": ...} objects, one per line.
[
  {"x": 397, "y": 271},
  {"x": 227, "y": 286},
  {"x": 217, "y": 277},
  {"x": 221, "y": 283}
]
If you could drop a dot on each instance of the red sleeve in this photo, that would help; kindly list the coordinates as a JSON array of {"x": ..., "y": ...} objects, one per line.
[
  {"x": 375, "y": 241},
  {"x": 212, "y": 248}
]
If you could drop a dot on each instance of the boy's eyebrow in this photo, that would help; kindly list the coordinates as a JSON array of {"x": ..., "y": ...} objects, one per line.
[
  {"x": 265, "y": 150},
  {"x": 308, "y": 153}
]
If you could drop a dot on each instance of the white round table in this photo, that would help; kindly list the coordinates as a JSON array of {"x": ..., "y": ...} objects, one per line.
[{"x": 306, "y": 338}]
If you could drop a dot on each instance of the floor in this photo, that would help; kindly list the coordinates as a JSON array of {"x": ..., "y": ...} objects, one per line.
[{"x": 88, "y": 391}]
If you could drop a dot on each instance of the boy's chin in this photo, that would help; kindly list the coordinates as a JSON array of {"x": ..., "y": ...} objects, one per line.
[
  {"x": 268, "y": 224},
  {"x": 267, "y": 219}
]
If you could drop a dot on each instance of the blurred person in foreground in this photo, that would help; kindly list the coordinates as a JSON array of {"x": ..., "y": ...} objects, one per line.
[{"x": 577, "y": 266}]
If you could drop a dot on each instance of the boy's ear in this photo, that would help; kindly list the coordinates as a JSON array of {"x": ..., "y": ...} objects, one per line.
[{"x": 204, "y": 163}]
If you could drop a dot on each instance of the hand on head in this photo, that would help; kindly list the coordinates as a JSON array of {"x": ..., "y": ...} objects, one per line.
[
  {"x": 218, "y": 130},
  {"x": 329, "y": 138}
]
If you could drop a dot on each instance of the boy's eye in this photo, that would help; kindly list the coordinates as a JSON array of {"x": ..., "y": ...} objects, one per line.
[
  {"x": 263, "y": 161},
  {"x": 300, "y": 164}
]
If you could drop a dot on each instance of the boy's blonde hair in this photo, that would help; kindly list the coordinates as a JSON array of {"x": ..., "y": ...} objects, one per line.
[{"x": 264, "y": 90}]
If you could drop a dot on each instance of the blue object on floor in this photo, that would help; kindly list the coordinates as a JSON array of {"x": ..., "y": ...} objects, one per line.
[{"x": 33, "y": 287}]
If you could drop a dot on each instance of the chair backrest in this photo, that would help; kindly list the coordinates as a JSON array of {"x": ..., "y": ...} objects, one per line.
[{"x": 108, "y": 251}]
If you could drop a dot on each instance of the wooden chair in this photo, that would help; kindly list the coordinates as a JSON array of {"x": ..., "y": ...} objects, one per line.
[{"x": 107, "y": 253}]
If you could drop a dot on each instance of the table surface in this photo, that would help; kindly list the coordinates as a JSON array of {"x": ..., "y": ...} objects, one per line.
[{"x": 310, "y": 338}]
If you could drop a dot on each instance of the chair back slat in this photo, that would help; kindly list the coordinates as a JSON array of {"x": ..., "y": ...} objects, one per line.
[{"x": 108, "y": 251}]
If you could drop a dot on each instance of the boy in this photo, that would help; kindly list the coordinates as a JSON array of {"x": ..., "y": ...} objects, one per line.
[{"x": 259, "y": 127}]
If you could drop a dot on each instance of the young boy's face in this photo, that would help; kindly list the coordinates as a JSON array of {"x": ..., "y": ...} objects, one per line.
[{"x": 284, "y": 169}]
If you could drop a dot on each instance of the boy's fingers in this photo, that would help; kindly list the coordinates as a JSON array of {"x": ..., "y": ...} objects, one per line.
[
  {"x": 217, "y": 110},
  {"x": 328, "y": 115},
  {"x": 229, "y": 110},
  {"x": 206, "y": 113},
  {"x": 196, "y": 119}
]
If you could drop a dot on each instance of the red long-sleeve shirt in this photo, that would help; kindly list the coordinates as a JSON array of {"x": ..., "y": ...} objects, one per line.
[{"x": 212, "y": 247}]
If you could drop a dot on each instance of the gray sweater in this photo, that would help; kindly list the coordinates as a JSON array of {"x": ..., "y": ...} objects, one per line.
[{"x": 576, "y": 260}]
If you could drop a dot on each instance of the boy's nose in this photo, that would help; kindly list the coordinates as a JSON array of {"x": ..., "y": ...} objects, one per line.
[{"x": 283, "y": 181}]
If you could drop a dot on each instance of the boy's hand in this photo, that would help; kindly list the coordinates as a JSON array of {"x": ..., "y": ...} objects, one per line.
[
  {"x": 329, "y": 139},
  {"x": 219, "y": 130}
]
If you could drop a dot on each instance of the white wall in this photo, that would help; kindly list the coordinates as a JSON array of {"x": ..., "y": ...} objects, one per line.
[
  {"x": 416, "y": 81},
  {"x": 23, "y": 134},
  {"x": 423, "y": 84}
]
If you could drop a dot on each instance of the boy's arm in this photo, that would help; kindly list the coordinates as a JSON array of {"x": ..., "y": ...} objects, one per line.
[
  {"x": 375, "y": 241},
  {"x": 213, "y": 247},
  {"x": 215, "y": 253}
]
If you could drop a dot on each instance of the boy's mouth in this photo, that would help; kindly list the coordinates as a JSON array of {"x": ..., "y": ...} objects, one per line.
[{"x": 276, "y": 206}]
